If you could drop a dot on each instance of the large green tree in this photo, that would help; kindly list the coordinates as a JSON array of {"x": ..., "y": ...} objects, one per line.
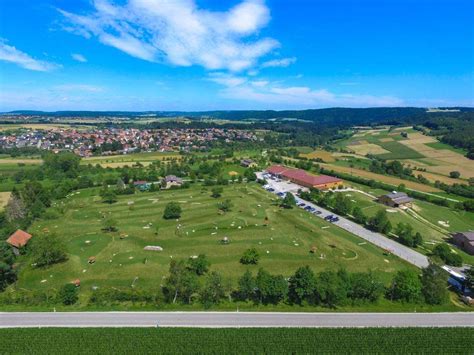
[
  {"x": 47, "y": 249},
  {"x": 302, "y": 285},
  {"x": 406, "y": 286},
  {"x": 172, "y": 211},
  {"x": 434, "y": 282}
]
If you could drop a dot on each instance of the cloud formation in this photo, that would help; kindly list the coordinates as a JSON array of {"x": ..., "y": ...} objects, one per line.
[
  {"x": 79, "y": 57},
  {"x": 179, "y": 32},
  {"x": 284, "y": 62},
  {"x": 11, "y": 54},
  {"x": 277, "y": 95}
]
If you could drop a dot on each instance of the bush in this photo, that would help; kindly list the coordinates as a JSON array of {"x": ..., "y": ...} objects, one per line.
[
  {"x": 251, "y": 256},
  {"x": 68, "y": 294},
  {"x": 172, "y": 211},
  {"x": 443, "y": 251}
]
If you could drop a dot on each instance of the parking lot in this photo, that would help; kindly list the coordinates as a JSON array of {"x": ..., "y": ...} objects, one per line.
[{"x": 281, "y": 187}]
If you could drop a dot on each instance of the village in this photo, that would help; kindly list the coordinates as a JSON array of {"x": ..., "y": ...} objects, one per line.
[{"x": 108, "y": 141}]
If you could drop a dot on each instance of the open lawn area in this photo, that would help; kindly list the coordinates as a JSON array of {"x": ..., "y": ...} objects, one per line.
[
  {"x": 433, "y": 222},
  {"x": 283, "y": 240}
]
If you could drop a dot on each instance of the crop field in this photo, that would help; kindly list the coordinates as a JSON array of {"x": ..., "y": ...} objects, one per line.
[
  {"x": 4, "y": 197},
  {"x": 321, "y": 154},
  {"x": 384, "y": 178},
  {"x": 283, "y": 240},
  {"x": 8, "y": 127},
  {"x": 238, "y": 341},
  {"x": 116, "y": 161},
  {"x": 416, "y": 149}
]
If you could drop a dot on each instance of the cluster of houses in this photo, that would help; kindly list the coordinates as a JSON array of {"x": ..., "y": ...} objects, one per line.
[
  {"x": 121, "y": 141},
  {"x": 168, "y": 182}
]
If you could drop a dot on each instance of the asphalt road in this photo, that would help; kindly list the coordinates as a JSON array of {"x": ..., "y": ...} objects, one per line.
[
  {"x": 403, "y": 252},
  {"x": 233, "y": 319}
]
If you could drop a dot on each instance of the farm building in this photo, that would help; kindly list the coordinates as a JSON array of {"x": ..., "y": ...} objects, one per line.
[
  {"x": 172, "y": 180},
  {"x": 395, "y": 199},
  {"x": 465, "y": 241},
  {"x": 301, "y": 177},
  {"x": 248, "y": 163},
  {"x": 18, "y": 240}
]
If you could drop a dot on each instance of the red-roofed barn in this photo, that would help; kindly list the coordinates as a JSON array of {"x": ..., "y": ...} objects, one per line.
[{"x": 301, "y": 177}]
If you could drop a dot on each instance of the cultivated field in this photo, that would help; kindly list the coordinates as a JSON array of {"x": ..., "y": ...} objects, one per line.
[
  {"x": 283, "y": 240},
  {"x": 238, "y": 341},
  {"x": 116, "y": 161},
  {"x": 417, "y": 150},
  {"x": 319, "y": 154},
  {"x": 4, "y": 197}
]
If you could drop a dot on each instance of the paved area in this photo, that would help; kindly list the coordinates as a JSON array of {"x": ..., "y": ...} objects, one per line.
[
  {"x": 234, "y": 319},
  {"x": 403, "y": 252}
]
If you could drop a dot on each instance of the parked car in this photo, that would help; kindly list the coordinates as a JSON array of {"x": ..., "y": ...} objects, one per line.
[
  {"x": 317, "y": 212},
  {"x": 329, "y": 217}
]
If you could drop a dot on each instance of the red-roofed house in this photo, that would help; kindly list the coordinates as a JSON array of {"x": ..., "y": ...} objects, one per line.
[
  {"x": 301, "y": 177},
  {"x": 18, "y": 240}
]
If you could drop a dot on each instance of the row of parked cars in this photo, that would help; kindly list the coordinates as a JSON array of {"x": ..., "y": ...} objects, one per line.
[{"x": 331, "y": 218}]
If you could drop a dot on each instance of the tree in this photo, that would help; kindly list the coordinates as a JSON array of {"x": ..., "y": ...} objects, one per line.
[
  {"x": 329, "y": 289},
  {"x": 289, "y": 201},
  {"x": 172, "y": 211},
  {"x": 250, "y": 175},
  {"x": 213, "y": 291},
  {"x": 109, "y": 224},
  {"x": 406, "y": 286},
  {"x": 455, "y": 174},
  {"x": 109, "y": 196},
  {"x": 181, "y": 284},
  {"x": 225, "y": 206},
  {"x": 246, "y": 286},
  {"x": 250, "y": 256},
  {"x": 342, "y": 204},
  {"x": 7, "y": 275},
  {"x": 443, "y": 251},
  {"x": 380, "y": 222},
  {"x": 365, "y": 286},
  {"x": 470, "y": 278},
  {"x": 47, "y": 249},
  {"x": 302, "y": 285},
  {"x": 406, "y": 236},
  {"x": 359, "y": 215},
  {"x": 271, "y": 288},
  {"x": 68, "y": 294},
  {"x": 199, "y": 265},
  {"x": 217, "y": 191},
  {"x": 434, "y": 282},
  {"x": 15, "y": 208}
]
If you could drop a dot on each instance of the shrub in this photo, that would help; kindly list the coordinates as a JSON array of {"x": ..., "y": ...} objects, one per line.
[
  {"x": 250, "y": 256},
  {"x": 172, "y": 211},
  {"x": 67, "y": 295}
]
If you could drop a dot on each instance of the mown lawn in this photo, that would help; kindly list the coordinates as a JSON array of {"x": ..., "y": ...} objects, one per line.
[{"x": 283, "y": 244}]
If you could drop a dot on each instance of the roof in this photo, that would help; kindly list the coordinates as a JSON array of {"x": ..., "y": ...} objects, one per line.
[
  {"x": 173, "y": 178},
  {"x": 399, "y": 197},
  {"x": 302, "y": 175},
  {"x": 140, "y": 182},
  {"x": 468, "y": 235},
  {"x": 19, "y": 238},
  {"x": 276, "y": 169}
]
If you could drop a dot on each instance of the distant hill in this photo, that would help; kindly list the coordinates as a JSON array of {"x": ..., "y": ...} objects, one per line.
[{"x": 327, "y": 116}]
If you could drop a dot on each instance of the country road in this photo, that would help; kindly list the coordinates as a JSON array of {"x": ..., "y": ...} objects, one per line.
[{"x": 233, "y": 319}]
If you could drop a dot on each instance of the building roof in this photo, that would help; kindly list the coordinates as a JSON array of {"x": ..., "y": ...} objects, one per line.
[
  {"x": 173, "y": 178},
  {"x": 140, "y": 182},
  {"x": 19, "y": 238},
  {"x": 302, "y": 175},
  {"x": 276, "y": 169},
  {"x": 399, "y": 197},
  {"x": 468, "y": 235}
]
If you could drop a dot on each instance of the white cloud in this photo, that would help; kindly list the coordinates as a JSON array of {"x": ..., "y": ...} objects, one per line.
[
  {"x": 179, "y": 32},
  {"x": 79, "y": 57},
  {"x": 11, "y": 54},
  {"x": 78, "y": 88},
  {"x": 276, "y": 95},
  {"x": 284, "y": 62}
]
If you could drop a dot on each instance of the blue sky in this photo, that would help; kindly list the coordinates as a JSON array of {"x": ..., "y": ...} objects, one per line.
[{"x": 242, "y": 54}]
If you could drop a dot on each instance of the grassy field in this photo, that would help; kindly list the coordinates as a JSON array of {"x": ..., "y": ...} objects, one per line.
[
  {"x": 319, "y": 154},
  {"x": 238, "y": 341},
  {"x": 433, "y": 222},
  {"x": 284, "y": 244}
]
